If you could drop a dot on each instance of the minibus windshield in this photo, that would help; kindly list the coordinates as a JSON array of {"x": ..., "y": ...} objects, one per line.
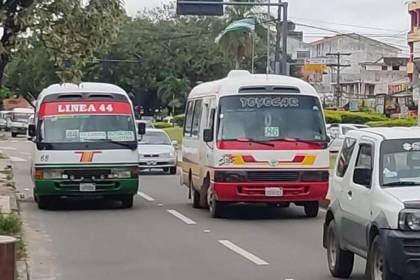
[
  {"x": 271, "y": 118},
  {"x": 87, "y": 128}
]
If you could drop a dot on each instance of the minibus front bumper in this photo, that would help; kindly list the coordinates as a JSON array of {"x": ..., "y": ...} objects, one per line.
[
  {"x": 270, "y": 191},
  {"x": 67, "y": 188}
]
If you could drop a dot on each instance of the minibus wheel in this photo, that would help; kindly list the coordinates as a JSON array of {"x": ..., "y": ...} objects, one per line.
[
  {"x": 311, "y": 209},
  {"x": 216, "y": 208},
  {"x": 127, "y": 201},
  {"x": 195, "y": 196}
]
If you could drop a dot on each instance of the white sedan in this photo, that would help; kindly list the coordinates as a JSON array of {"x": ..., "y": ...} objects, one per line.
[{"x": 156, "y": 150}]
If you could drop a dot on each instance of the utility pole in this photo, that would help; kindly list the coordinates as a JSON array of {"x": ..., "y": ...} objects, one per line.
[
  {"x": 338, "y": 65},
  {"x": 281, "y": 39}
]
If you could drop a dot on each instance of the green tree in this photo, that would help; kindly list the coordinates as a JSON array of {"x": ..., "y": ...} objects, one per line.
[
  {"x": 173, "y": 92},
  {"x": 73, "y": 30},
  {"x": 14, "y": 22},
  {"x": 31, "y": 71}
]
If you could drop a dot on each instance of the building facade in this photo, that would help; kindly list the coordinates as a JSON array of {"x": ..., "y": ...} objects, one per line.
[{"x": 414, "y": 40}]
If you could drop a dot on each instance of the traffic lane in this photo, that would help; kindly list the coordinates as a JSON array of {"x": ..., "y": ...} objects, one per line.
[
  {"x": 146, "y": 241},
  {"x": 288, "y": 240},
  {"x": 141, "y": 243}
]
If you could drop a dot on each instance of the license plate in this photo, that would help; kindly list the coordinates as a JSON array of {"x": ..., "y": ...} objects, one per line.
[
  {"x": 273, "y": 192},
  {"x": 87, "y": 187}
]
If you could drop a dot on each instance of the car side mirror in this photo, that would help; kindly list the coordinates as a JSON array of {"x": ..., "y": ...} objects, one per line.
[
  {"x": 363, "y": 176},
  {"x": 208, "y": 135},
  {"x": 174, "y": 143},
  {"x": 141, "y": 128},
  {"x": 31, "y": 130}
]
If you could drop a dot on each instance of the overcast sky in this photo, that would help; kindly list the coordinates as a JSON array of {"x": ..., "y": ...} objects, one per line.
[{"x": 385, "y": 20}]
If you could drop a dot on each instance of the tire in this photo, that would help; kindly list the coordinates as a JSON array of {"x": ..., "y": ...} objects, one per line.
[
  {"x": 172, "y": 170},
  {"x": 127, "y": 201},
  {"x": 216, "y": 208},
  {"x": 311, "y": 209},
  {"x": 46, "y": 202},
  {"x": 196, "y": 199},
  {"x": 340, "y": 262},
  {"x": 204, "y": 203},
  {"x": 14, "y": 134},
  {"x": 376, "y": 260}
]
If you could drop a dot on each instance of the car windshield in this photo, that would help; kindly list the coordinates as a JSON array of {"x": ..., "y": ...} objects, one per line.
[
  {"x": 270, "y": 117},
  {"x": 400, "y": 163},
  {"x": 155, "y": 138},
  {"x": 87, "y": 128}
]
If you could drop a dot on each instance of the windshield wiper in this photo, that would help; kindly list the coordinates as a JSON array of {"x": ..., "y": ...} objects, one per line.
[
  {"x": 250, "y": 140},
  {"x": 127, "y": 145},
  {"x": 402, "y": 184},
  {"x": 294, "y": 140}
]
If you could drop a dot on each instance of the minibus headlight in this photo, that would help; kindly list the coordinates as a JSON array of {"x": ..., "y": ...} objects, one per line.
[
  {"x": 53, "y": 174},
  {"x": 409, "y": 220},
  {"x": 123, "y": 173},
  {"x": 230, "y": 176}
]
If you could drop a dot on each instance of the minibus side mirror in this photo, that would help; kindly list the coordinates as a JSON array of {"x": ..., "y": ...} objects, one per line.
[
  {"x": 31, "y": 130},
  {"x": 363, "y": 176},
  {"x": 141, "y": 128},
  {"x": 208, "y": 135}
]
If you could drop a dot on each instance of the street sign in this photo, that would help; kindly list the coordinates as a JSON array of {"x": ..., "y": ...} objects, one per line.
[
  {"x": 315, "y": 67},
  {"x": 196, "y": 9}
]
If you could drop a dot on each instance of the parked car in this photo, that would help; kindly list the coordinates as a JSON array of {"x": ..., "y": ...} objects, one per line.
[
  {"x": 4, "y": 115},
  {"x": 156, "y": 150},
  {"x": 337, "y": 133},
  {"x": 374, "y": 207}
]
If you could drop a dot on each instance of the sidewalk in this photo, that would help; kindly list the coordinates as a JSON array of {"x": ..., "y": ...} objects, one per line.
[{"x": 9, "y": 204}]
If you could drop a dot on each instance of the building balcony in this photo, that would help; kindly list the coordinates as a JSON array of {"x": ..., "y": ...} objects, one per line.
[
  {"x": 414, "y": 6},
  {"x": 414, "y": 35}
]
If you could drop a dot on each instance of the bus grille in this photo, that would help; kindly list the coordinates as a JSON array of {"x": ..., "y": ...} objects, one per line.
[{"x": 273, "y": 176}]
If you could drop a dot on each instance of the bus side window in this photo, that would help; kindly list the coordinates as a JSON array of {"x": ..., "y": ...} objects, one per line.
[
  {"x": 197, "y": 118},
  {"x": 188, "y": 119}
]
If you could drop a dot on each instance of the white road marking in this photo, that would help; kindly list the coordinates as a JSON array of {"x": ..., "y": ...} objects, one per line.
[
  {"x": 206, "y": 231},
  {"x": 14, "y": 141},
  {"x": 247, "y": 255},
  {"x": 8, "y": 148},
  {"x": 160, "y": 204},
  {"x": 17, "y": 159},
  {"x": 25, "y": 153},
  {"x": 145, "y": 196},
  {"x": 186, "y": 220}
]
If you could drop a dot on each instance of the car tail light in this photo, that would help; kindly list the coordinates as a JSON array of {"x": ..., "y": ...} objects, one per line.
[{"x": 314, "y": 176}]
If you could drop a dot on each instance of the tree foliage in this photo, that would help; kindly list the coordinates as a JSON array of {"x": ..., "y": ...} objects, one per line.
[{"x": 154, "y": 56}]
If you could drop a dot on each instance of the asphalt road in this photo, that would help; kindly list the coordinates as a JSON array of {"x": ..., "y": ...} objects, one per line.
[{"x": 163, "y": 237}]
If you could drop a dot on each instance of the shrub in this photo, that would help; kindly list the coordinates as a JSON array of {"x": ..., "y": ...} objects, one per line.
[
  {"x": 332, "y": 117},
  {"x": 179, "y": 120},
  {"x": 162, "y": 125},
  {"x": 353, "y": 117},
  {"x": 395, "y": 122},
  {"x": 361, "y": 117}
]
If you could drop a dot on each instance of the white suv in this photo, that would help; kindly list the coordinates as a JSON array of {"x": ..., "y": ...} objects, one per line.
[{"x": 374, "y": 207}]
